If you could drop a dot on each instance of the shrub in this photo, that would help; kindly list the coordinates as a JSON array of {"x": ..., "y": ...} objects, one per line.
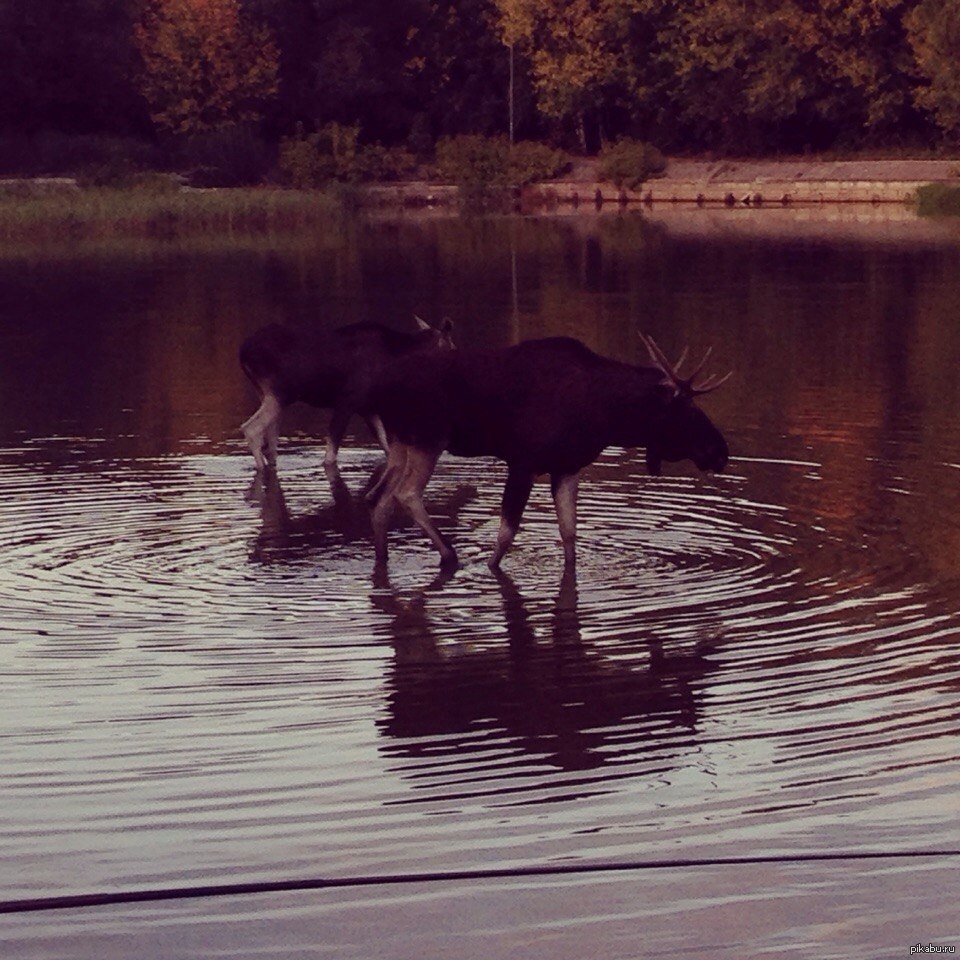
[
  {"x": 475, "y": 161},
  {"x": 376, "y": 162},
  {"x": 470, "y": 160},
  {"x": 627, "y": 163},
  {"x": 301, "y": 164},
  {"x": 234, "y": 156},
  {"x": 938, "y": 199},
  {"x": 334, "y": 153},
  {"x": 531, "y": 161}
]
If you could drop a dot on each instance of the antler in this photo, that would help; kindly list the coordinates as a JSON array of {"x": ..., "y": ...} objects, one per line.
[{"x": 683, "y": 385}]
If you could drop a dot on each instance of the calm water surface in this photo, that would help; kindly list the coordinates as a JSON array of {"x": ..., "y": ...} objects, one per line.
[{"x": 204, "y": 682}]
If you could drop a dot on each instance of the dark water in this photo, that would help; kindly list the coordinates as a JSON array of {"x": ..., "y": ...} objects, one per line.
[{"x": 203, "y": 682}]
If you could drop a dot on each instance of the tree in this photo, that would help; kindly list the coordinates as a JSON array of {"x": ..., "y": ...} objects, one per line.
[
  {"x": 205, "y": 66},
  {"x": 934, "y": 34},
  {"x": 575, "y": 50},
  {"x": 460, "y": 70}
]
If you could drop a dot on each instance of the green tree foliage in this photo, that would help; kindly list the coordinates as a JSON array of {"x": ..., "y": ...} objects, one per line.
[
  {"x": 934, "y": 31},
  {"x": 205, "y": 65}
]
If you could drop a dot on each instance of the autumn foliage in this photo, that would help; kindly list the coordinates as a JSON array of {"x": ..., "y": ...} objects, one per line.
[
  {"x": 731, "y": 76},
  {"x": 204, "y": 65}
]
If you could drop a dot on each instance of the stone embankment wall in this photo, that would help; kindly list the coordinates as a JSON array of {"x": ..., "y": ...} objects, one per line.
[
  {"x": 730, "y": 183},
  {"x": 754, "y": 183}
]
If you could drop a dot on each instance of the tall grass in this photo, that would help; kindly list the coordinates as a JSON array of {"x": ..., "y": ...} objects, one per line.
[{"x": 163, "y": 211}]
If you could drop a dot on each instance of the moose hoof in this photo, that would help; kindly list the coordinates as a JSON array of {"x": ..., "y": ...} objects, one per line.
[{"x": 449, "y": 560}]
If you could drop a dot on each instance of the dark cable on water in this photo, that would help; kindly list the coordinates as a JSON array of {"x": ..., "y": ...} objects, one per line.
[{"x": 113, "y": 898}]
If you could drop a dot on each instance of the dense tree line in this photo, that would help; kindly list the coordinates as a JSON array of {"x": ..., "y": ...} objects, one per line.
[{"x": 690, "y": 75}]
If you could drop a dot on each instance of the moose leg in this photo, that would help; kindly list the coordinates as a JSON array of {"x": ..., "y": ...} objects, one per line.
[
  {"x": 564, "y": 488},
  {"x": 338, "y": 427},
  {"x": 376, "y": 426},
  {"x": 381, "y": 496},
  {"x": 515, "y": 496},
  {"x": 272, "y": 441},
  {"x": 258, "y": 428},
  {"x": 417, "y": 471}
]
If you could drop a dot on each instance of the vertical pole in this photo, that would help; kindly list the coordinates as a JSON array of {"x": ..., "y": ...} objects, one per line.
[{"x": 511, "y": 95}]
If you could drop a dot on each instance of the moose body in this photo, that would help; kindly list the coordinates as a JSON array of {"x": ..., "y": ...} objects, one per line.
[
  {"x": 330, "y": 369},
  {"x": 544, "y": 407}
]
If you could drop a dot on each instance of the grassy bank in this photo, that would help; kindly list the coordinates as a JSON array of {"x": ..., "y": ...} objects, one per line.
[{"x": 100, "y": 212}]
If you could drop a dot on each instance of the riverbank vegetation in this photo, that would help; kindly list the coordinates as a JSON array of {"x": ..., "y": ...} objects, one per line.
[
  {"x": 157, "y": 207},
  {"x": 938, "y": 199},
  {"x": 234, "y": 92}
]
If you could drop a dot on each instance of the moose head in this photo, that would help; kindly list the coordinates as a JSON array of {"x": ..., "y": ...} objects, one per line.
[{"x": 683, "y": 431}]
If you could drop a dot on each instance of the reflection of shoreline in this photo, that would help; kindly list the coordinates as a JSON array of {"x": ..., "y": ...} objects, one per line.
[
  {"x": 546, "y": 693},
  {"x": 880, "y": 224}
]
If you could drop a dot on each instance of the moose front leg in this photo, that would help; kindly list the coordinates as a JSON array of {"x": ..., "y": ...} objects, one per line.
[
  {"x": 338, "y": 427},
  {"x": 515, "y": 496},
  {"x": 564, "y": 488},
  {"x": 261, "y": 431}
]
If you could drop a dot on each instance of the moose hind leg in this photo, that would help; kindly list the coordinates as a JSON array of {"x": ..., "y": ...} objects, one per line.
[
  {"x": 417, "y": 471},
  {"x": 382, "y": 497},
  {"x": 515, "y": 496},
  {"x": 376, "y": 427},
  {"x": 564, "y": 488}
]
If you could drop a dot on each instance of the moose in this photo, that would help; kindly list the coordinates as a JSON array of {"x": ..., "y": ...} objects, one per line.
[
  {"x": 544, "y": 407},
  {"x": 330, "y": 369}
]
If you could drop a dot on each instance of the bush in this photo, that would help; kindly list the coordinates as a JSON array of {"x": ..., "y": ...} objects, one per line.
[
  {"x": 627, "y": 163},
  {"x": 938, "y": 199},
  {"x": 531, "y": 161},
  {"x": 470, "y": 160},
  {"x": 376, "y": 162},
  {"x": 475, "y": 161},
  {"x": 334, "y": 153},
  {"x": 234, "y": 156}
]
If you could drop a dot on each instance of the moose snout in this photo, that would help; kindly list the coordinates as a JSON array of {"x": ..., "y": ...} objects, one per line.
[{"x": 715, "y": 459}]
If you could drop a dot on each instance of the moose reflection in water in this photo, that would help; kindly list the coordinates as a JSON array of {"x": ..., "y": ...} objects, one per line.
[
  {"x": 558, "y": 698},
  {"x": 544, "y": 407},
  {"x": 284, "y": 537}
]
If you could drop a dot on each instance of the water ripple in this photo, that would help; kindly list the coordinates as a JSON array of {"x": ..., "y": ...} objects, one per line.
[{"x": 209, "y": 662}]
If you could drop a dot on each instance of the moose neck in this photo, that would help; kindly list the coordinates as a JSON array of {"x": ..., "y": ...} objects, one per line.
[{"x": 635, "y": 404}]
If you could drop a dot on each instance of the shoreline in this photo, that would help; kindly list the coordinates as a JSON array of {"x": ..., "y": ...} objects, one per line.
[{"x": 728, "y": 183}]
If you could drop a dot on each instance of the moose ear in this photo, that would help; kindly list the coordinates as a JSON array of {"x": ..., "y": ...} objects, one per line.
[
  {"x": 422, "y": 324},
  {"x": 653, "y": 462}
]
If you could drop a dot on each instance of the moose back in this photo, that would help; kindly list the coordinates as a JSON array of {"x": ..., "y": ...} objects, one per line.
[{"x": 544, "y": 407}]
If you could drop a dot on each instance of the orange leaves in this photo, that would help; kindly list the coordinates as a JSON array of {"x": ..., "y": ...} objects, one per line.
[{"x": 204, "y": 65}]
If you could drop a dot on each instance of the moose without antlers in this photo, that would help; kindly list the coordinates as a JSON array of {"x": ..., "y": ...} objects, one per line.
[
  {"x": 545, "y": 407},
  {"x": 333, "y": 369}
]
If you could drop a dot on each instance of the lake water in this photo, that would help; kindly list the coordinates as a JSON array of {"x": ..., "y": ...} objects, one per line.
[{"x": 204, "y": 682}]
